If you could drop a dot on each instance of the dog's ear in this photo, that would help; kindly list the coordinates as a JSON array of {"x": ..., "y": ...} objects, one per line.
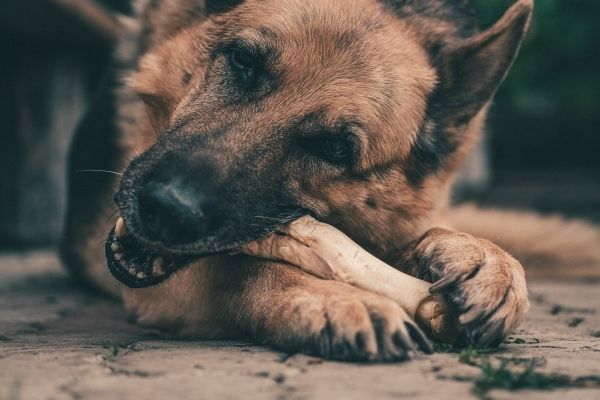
[{"x": 472, "y": 69}]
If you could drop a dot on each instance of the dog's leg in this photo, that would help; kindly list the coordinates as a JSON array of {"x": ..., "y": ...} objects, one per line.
[
  {"x": 94, "y": 163},
  {"x": 483, "y": 283},
  {"x": 281, "y": 306}
]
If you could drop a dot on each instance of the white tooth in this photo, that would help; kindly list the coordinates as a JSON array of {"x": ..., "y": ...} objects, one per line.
[
  {"x": 141, "y": 275},
  {"x": 120, "y": 228},
  {"x": 132, "y": 270},
  {"x": 118, "y": 256},
  {"x": 115, "y": 247},
  {"x": 158, "y": 267},
  {"x": 158, "y": 272}
]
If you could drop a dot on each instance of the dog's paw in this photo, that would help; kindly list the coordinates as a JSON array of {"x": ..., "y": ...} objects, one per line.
[
  {"x": 347, "y": 324},
  {"x": 484, "y": 284}
]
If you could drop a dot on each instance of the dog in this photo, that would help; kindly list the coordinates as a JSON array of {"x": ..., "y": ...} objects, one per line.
[{"x": 232, "y": 118}]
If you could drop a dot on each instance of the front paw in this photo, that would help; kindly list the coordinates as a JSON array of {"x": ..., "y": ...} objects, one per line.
[
  {"x": 484, "y": 284},
  {"x": 339, "y": 322}
]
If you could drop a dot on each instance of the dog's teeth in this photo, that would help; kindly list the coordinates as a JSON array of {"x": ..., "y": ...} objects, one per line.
[
  {"x": 158, "y": 267},
  {"x": 120, "y": 228},
  {"x": 118, "y": 256},
  {"x": 132, "y": 270},
  {"x": 115, "y": 247},
  {"x": 141, "y": 275}
]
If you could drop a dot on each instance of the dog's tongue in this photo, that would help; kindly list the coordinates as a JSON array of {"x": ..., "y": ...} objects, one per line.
[{"x": 131, "y": 263}]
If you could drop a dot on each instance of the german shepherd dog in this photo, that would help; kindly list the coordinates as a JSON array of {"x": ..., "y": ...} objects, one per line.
[{"x": 232, "y": 118}]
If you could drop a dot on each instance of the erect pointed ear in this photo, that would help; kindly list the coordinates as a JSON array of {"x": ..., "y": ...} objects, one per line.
[{"x": 471, "y": 70}]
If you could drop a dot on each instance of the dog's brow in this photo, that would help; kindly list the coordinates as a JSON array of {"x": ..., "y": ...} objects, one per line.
[
  {"x": 258, "y": 42},
  {"x": 261, "y": 38},
  {"x": 267, "y": 32},
  {"x": 318, "y": 121}
]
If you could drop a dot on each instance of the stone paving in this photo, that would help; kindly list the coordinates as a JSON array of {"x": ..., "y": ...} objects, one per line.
[{"x": 59, "y": 342}]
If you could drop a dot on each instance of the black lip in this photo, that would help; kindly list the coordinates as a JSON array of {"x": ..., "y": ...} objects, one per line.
[
  {"x": 133, "y": 281},
  {"x": 176, "y": 262}
]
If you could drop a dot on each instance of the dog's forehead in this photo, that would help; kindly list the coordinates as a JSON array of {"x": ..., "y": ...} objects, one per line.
[
  {"x": 306, "y": 11},
  {"x": 352, "y": 59}
]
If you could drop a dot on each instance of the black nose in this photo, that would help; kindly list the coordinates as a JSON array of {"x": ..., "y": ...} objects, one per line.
[{"x": 172, "y": 212}]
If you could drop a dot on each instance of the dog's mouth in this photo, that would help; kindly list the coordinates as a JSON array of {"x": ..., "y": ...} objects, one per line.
[
  {"x": 139, "y": 264},
  {"x": 136, "y": 265}
]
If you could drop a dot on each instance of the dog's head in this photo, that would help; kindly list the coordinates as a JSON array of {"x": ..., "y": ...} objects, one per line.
[{"x": 357, "y": 112}]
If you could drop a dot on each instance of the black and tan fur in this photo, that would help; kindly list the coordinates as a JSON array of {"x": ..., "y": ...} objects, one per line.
[{"x": 409, "y": 81}]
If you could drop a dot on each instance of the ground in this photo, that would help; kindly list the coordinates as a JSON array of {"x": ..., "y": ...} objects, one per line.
[{"x": 59, "y": 342}]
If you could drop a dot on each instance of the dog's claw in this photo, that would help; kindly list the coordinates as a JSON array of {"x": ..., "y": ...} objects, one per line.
[
  {"x": 492, "y": 335},
  {"x": 444, "y": 283},
  {"x": 472, "y": 316},
  {"x": 419, "y": 337}
]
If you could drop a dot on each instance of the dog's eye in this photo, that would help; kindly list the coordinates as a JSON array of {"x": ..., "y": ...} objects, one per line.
[
  {"x": 333, "y": 150},
  {"x": 337, "y": 149},
  {"x": 243, "y": 62}
]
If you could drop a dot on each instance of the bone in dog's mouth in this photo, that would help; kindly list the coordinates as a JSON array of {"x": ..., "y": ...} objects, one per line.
[
  {"x": 139, "y": 265},
  {"x": 135, "y": 265}
]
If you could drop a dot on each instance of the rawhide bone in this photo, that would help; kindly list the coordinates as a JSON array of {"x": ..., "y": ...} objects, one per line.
[{"x": 325, "y": 252}]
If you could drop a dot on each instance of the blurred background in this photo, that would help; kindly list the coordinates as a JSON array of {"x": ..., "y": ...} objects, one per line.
[{"x": 542, "y": 152}]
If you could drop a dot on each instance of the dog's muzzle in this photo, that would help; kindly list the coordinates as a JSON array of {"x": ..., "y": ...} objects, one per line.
[{"x": 135, "y": 265}]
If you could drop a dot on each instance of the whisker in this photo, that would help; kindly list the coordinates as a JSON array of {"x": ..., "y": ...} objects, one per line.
[
  {"x": 101, "y": 171},
  {"x": 295, "y": 255},
  {"x": 258, "y": 226},
  {"x": 109, "y": 223},
  {"x": 265, "y": 249},
  {"x": 152, "y": 123},
  {"x": 112, "y": 218},
  {"x": 269, "y": 218}
]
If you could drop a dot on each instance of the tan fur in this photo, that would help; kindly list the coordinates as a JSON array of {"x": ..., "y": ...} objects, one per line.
[
  {"x": 373, "y": 68},
  {"x": 498, "y": 295},
  {"x": 191, "y": 316},
  {"x": 278, "y": 304},
  {"x": 170, "y": 100},
  {"x": 391, "y": 56}
]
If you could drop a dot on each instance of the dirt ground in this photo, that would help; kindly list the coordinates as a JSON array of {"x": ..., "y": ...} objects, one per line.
[{"x": 59, "y": 342}]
